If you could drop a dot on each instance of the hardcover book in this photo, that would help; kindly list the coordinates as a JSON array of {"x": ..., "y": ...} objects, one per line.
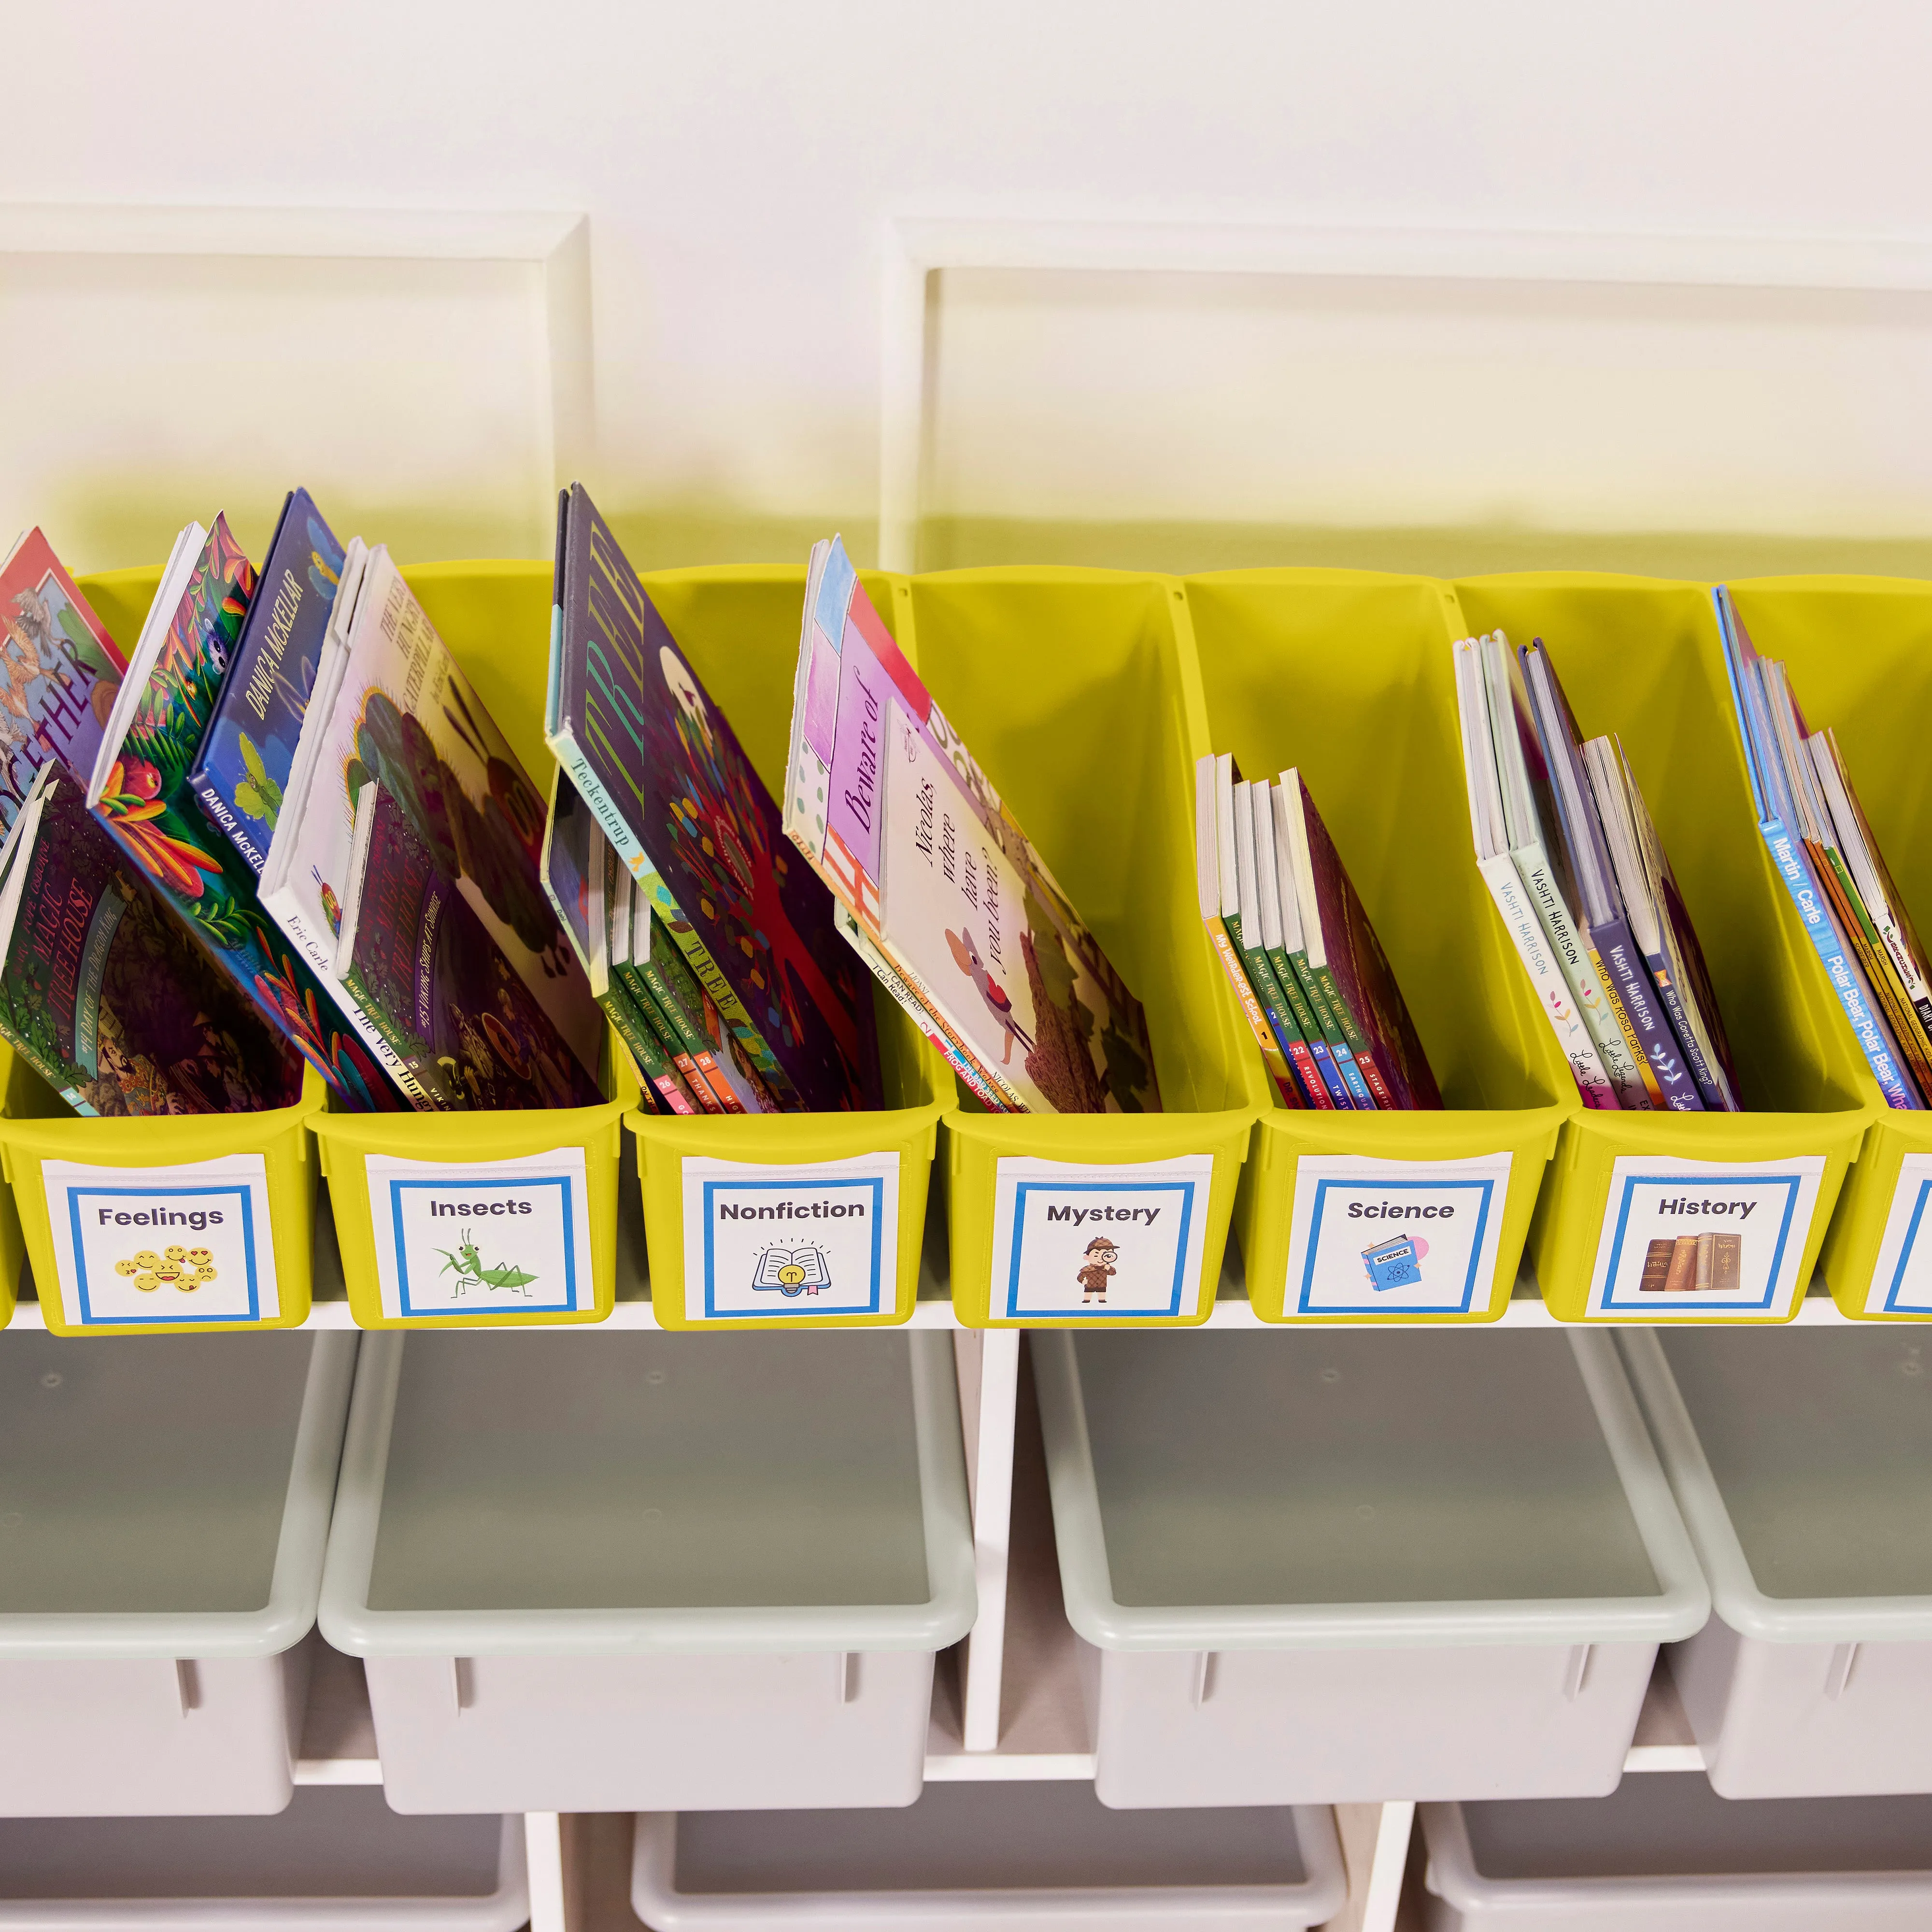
[
  {"x": 894, "y": 814},
  {"x": 138, "y": 788},
  {"x": 424, "y": 968},
  {"x": 242, "y": 774},
  {"x": 103, "y": 992},
  {"x": 661, "y": 767},
  {"x": 393, "y": 707},
  {"x": 60, "y": 672}
]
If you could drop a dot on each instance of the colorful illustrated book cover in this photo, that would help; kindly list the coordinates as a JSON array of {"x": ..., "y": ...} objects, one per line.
[
  {"x": 894, "y": 815},
  {"x": 59, "y": 672},
  {"x": 144, "y": 803},
  {"x": 403, "y": 716},
  {"x": 104, "y": 993},
  {"x": 239, "y": 778},
  {"x": 425, "y": 969},
  {"x": 1360, "y": 983},
  {"x": 662, "y": 768}
]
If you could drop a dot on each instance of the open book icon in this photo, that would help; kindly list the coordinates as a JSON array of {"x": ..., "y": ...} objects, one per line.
[{"x": 792, "y": 1270}]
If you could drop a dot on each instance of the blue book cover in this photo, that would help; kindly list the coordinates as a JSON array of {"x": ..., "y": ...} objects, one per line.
[{"x": 244, "y": 763}]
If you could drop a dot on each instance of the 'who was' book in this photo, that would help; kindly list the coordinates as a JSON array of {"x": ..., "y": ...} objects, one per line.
[
  {"x": 941, "y": 888},
  {"x": 660, "y": 766}
]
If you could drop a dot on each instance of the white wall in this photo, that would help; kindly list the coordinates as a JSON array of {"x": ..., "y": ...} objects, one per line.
[{"x": 738, "y": 165}]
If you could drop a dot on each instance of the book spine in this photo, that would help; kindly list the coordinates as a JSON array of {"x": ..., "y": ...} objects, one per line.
[
  {"x": 1552, "y": 988},
  {"x": 696, "y": 1087},
  {"x": 1708, "y": 1091},
  {"x": 1327, "y": 1089},
  {"x": 888, "y": 976},
  {"x": 52, "y": 1075},
  {"x": 1633, "y": 1046},
  {"x": 644, "y": 1050},
  {"x": 1358, "y": 1041},
  {"x": 1579, "y": 966},
  {"x": 1655, "y": 1037},
  {"x": 1881, "y": 980},
  {"x": 1272, "y": 1056},
  {"x": 222, "y": 816},
  {"x": 714, "y": 1093},
  {"x": 1353, "y": 1085},
  {"x": 1867, "y": 1027},
  {"x": 1261, "y": 977},
  {"x": 358, "y": 998}
]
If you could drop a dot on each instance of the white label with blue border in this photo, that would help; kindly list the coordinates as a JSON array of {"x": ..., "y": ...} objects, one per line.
[
  {"x": 790, "y": 1243},
  {"x": 1901, "y": 1283},
  {"x": 163, "y": 1247},
  {"x": 1394, "y": 1237},
  {"x": 1698, "y": 1241},
  {"x": 504, "y": 1238},
  {"x": 1099, "y": 1242}
]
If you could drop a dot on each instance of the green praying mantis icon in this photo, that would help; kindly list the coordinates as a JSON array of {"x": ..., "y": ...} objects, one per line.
[{"x": 467, "y": 1263}]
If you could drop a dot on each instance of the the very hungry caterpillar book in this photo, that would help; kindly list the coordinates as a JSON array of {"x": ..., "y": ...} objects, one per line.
[
  {"x": 660, "y": 766},
  {"x": 60, "y": 672},
  {"x": 424, "y": 968},
  {"x": 242, "y": 772},
  {"x": 893, "y": 811},
  {"x": 138, "y": 788},
  {"x": 103, "y": 992}
]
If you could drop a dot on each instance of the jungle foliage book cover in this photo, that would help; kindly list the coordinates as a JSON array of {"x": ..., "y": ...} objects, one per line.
[
  {"x": 678, "y": 798},
  {"x": 59, "y": 672},
  {"x": 894, "y": 814},
  {"x": 249, "y": 744},
  {"x": 104, "y": 992},
  {"x": 146, "y": 805},
  {"x": 425, "y": 971}
]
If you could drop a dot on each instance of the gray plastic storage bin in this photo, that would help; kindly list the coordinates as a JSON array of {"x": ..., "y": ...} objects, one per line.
[
  {"x": 597, "y": 1572},
  {"x": 1665, "y": 1854},
  {"x": 990, "y": 1857},
  {"x": 338, "y": 1860},
  {"x": 164, "y": 1511},
  {"x": 1802, "y": 1460},
  {"x": 1359, "y": 1566}
]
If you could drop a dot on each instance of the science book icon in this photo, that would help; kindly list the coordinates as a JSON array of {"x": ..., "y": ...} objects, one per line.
[
  {"x": 793, "y": 1271},
  {"x": 186, "y": 1269},
  {"x": 1396, "y": 1263}
]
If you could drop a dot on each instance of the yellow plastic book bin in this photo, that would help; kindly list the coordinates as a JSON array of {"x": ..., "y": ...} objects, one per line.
[
  {"x": 1860, "y": 653},
  {"x": 564, "y": 1163},
  {"x": 168, "y": 1177},
  {"x": 1077, "y": 691},
  {"x": 1347, "y": 675},
  {"x": 1641, "y": 659},
  {"x": 707, "y": 1179}
]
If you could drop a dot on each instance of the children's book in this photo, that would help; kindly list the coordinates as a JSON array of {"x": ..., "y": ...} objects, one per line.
[
  {"x": 423, "y": 967},
  {"x": 1346, "y": 963},
  {"x": 1639, "y": 1012},
  {"x": 663, "y": 771},
  {"x": 241, "y": 777},
  {"x": 103, "y": 992},
  {"x": 894, "y": 814},
  {"x": 578, "y": 868},
  {"x": 1221, "y": 934},
  {"x": 138, "y": 787},
  {"x": 1287, "y": 949},
  {"x": 1483, "y": 748},
  {"x": 1660, "y": 924},
  {"x": 1254, "y": 953},
  {"x": 1779, "y": 770},
  {"x": 60, "y": 672},
  {"x": 402, "y": 713}
]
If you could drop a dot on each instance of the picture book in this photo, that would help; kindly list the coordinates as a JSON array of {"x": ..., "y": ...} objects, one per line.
[
  {"x": 103, "y": 992},
  {"x": 578, "y": 869},
  {"x": 1346, "y": 961},
  {"x": 419, "y": 960},
  {"x": 1253, "y": 951},
  {"x": 1484, "y": 751},
  {"x": 241, "y": 776},
  {"x": 893, "y": 811},
  {"x": 60, "y": 672},
  {"x": 1659, "y": 923},
  {"x": 138, "y": 788},
  {"x": 393, "y": 707},
  {"x": 1626, "y": 979},
  {"x": 661, "y": 767},
  {"x": 1220, "y": 904},
  {"x": 662, "y": 972},
  {"x": 1286, "y": 945},
  {"x": 1800, "y": 829}
]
